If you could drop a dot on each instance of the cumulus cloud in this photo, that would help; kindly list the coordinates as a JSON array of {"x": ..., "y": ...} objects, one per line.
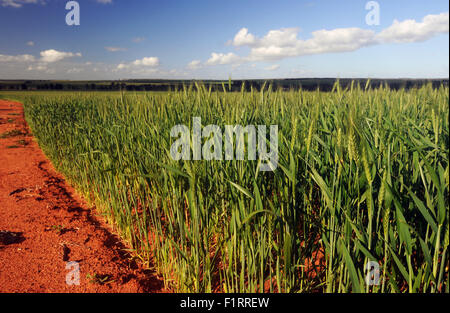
[
  {"x": 38, "y": 67},
  {"x": 16, "y": 58},
  {"x": 285, "y": 37},
  {"x": 32, "y": 63},
  {"x": 149, "y": 62},
  {"x": 243, "y": 38},
  {"x": 412, "y": 31},
  {"x": 221, "y": 58},
  {"x": 122, "y": 66},
  {"x": 50, "y": 56},
  {"x": 41, "y": 64},
  {"x": 285, "y": 43},
  {"x": 194, "y": 65}
]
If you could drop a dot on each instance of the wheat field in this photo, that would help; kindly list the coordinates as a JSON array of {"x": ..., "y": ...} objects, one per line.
[{"x": 363, "y": 176}]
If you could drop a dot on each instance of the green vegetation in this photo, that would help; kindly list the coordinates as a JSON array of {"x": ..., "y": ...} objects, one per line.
[
  {"x": 58, "y": 228},
  {"x": 324, "y": 84},
  {"x": 363, "y": 176},
  {"x": 99, "y": 279}
]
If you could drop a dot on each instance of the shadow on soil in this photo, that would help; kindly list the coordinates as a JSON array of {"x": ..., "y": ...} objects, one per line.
[{"x": 147, "y": 281}]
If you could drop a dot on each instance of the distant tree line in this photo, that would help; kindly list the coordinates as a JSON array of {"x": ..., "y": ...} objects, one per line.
[{"x": 323, "y": 84}]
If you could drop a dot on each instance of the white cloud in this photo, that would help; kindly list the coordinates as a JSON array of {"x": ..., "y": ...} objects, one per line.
[
  {"x": 285, "y": 43},
  {"x": 30, "y": 43},
  {"x": 194, "y": 65},
  {"x": 337, "y": 40},
  {"x": 412, "y": 31},
  {"x": 41, "y": 67},
  {"x": 122, "y": 66},
  {"x": 19, "y": 3},
  {"x": 50, "y": 56},
  {"x": 221, "y": 58},
  {"x": 104, "y": 1},
  {"x": 38, "y": 67},
  {"x": 148, "y": 61},
  {"x": 115, "y": 49},
  {"x": 243, "y": 38},
  {"x": 284, "y": 37},
  {"x": 16, "y": 58}
]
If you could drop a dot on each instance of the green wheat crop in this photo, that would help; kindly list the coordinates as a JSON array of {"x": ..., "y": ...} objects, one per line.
[{"x": 363, "y": 175}]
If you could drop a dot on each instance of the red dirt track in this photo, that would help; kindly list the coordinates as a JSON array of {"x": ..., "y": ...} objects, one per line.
[{"x": 44, "y": 224}]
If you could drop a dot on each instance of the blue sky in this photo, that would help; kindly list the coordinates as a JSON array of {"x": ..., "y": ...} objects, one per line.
[{"x": 203, "y": 39}]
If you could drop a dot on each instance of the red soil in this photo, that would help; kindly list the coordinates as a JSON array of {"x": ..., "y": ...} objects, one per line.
[{"x": 44, "y": 224}]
